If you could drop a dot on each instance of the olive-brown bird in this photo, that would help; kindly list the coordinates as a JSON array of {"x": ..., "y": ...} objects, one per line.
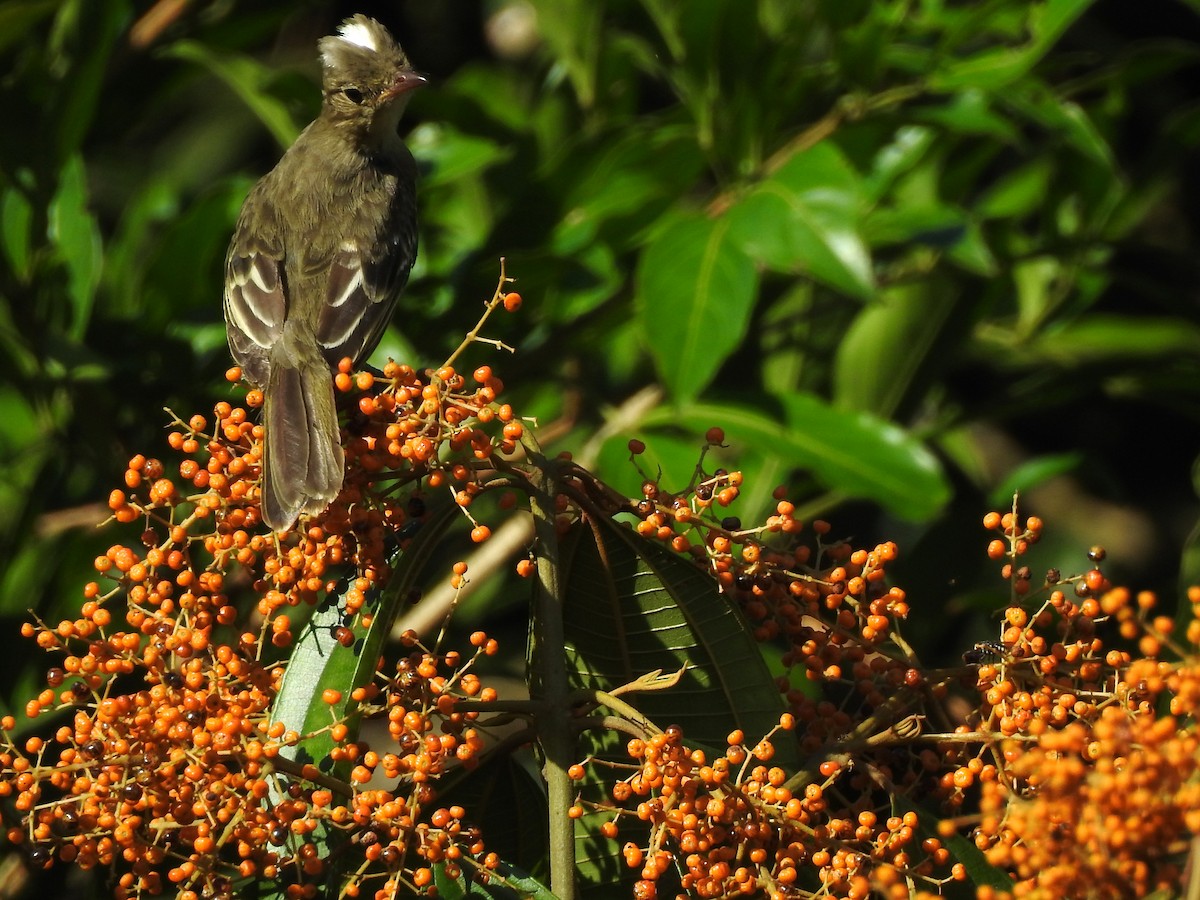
[{"x": 322, "y": 249}]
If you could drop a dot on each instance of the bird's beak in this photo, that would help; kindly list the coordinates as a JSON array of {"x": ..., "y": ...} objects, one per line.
[{"x": 406, "y": 81}]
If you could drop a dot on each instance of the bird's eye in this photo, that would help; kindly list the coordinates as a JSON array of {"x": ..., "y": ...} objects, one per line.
[{"x": 354, "y": 95}]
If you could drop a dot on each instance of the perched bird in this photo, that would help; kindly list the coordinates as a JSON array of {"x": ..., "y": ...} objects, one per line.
[{"x": 322, "y": 249}]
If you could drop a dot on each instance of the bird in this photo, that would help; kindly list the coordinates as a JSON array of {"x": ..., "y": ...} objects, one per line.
[{"x": 322, "y": 249}]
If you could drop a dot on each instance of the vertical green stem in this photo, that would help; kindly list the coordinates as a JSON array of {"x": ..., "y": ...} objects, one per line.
[{"x": 554, "y": 727}]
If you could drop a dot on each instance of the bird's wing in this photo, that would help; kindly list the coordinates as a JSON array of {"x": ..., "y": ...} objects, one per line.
[
  {"x": 255, "y": 289},
  {"x": 367, "y": 272}
]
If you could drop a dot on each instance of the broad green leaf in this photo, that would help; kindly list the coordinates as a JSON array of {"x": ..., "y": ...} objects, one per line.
[
  {"x": 74, "y": 231},
  {"x": 590, "y": 277},
  {"x": 787, "y": 332},
  {"x": 806, "y": 217},
  {"x": 669, "y": 455},
  {"x": 632, "y": 607},
  {"x": 695, "y": 290},
  {"x": 666, "y": 17},
  {"x": 506, "y": 796},
  {"x": 854, "y": 453},
  {"x": 888, "y": 343},
  {"x": 319, "y": 662},
  {"x": 247, "y": 78},
  {"x": 83, "y": 40},
  {"x": 933, "y": 225}
]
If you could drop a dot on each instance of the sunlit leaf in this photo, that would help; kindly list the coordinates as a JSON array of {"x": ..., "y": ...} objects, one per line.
[
  {"x": 318, "y": 662},
  {"x": 806, "y": 217},
  {"x": 853, "y": 453},
  {"x": 77, "y": 236},
  {"x": 695, "y": 290}
]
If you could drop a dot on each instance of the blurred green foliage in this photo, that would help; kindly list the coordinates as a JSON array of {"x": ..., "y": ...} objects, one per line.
[{"x": 911, "y": 254}]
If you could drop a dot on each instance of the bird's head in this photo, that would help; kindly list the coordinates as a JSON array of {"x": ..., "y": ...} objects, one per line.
[{"x": 367, "y": 78}]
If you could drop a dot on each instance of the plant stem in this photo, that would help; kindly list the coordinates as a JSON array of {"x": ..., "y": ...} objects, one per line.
[{"x": 549, "y": 637}]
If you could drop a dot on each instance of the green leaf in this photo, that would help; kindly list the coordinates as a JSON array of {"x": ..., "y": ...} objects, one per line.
[
  {"x": 806, "y": 218},
  {"x": 1104, "y": 337},
  {"x": 91, "y": 29},
  {"x": 695, "y": 289},
  {"x": 1067, "y": 120},
  {"x": 626, "y": 188},
  {"x": 77, "y": 236},
  {"x": 670, "y": 454},
  {"x": 970, "y": 112},
  {"x": 909, "y": 145},
  {"x": 507, "y": 799},
  {"x": 887, "y": 344},
  {"x": 248, "y": 78},
  {"x": 570, "y": 28},
  {"x": 934, "y": 225},
  {"x": 516, "y": 885},
  {"x": 632, "y": 607},
  {"x": 16, "y": 220},
  {"x": 1017, "y": 193},
  {"x": 451, "y": 155},
  {"x": 855, "y": 454},
  {"x": 979, "y": 870},
  {"x": 318, "y": 662},
  {"x": 1031, "y": 473},
  {"x": 996, "y": 68}
]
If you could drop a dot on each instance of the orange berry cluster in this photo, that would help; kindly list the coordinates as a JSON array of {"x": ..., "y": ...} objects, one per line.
[
  {"x": 1093, "y": 787},
  {"x": 164, "y": 761},
  {"x": 827, "y": 602},
  {"x": 739, "y": 826}
]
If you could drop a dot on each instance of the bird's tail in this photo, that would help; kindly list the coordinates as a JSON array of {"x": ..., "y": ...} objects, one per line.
[{"x": 302, "y": 450}]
